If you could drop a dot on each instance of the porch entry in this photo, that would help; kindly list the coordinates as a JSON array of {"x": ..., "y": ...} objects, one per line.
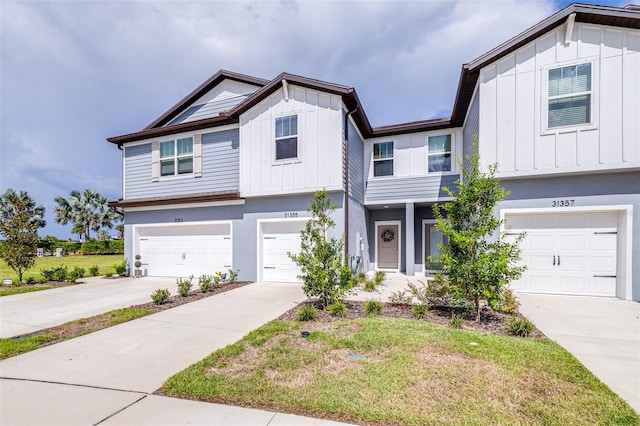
[
  {"x": 388, "y": 245},
  {"x": 432, "y": 239}
]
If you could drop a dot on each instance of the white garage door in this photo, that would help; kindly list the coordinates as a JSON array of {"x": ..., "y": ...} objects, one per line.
[
  {"x": 182, "y": 251},
  {"x": 568, "y": 253},
  {"x": 279, "y": 239}
]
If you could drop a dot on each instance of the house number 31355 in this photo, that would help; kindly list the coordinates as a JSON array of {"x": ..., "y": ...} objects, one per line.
[{"x": 290, "y": 214}]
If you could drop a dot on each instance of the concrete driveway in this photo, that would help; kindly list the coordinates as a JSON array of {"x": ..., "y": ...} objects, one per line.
[
  {"x": 30, "y": 312},
  {"x": 602, "y": 333},
  {"x": 108, "y": 376}
]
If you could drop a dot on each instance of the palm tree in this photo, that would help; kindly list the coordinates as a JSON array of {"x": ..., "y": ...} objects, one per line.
[{"x": 87, "y": 211}]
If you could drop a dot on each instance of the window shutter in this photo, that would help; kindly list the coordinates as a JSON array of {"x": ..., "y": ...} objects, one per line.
[
  {"x": 197, "y": 155},
  {"x": 155, "y": 161}
]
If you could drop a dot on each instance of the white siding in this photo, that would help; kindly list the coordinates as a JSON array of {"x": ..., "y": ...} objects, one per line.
[
  {"x": 513, "y": 106},
  {"x": 319, "y": 162}
]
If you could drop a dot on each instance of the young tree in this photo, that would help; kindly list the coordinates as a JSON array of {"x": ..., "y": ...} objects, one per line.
[
  {"x": 320, "y": 259},
  {"x": 87, "y": 211},
  {"x": 20, "y": 219},
  {"x": 477, "y": 261}
]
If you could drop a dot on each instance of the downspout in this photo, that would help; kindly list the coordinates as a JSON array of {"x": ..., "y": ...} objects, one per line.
[{"x": 346, "y": 184}]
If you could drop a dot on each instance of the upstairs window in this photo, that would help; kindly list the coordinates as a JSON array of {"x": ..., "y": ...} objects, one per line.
[
  {"x": 383, "y": 159},
  {"x": 287, "y": 137},
  {"x": 176, "y": 157},
  {"x": 439, "y": 153},
  {"x": 569, "y": 96}
]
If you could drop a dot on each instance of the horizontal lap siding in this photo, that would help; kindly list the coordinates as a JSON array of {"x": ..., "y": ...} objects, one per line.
[
  {"x": 220, "y": 169},
  {"x": 417, "y": 188},
  {"x": 471, "y": 129},
  {"x": 356, "y": 164}
]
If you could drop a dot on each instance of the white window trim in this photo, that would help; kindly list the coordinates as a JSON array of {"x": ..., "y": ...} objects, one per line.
[
  {"x": 373, "y": 160},
  {"x": 385, "y": 223},
  {"x": 176, "y": 157},
  {"x": 291, "y": 160},
  {"x": 453, "y": 151},
  {"x": 594, "y": 107}
]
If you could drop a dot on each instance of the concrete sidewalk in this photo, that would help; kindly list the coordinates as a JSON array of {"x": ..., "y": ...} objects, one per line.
[
  {"x": 108, "y": 376},
  {"x": 602, "y": 333},
  {"x": 30, "y": 312}
]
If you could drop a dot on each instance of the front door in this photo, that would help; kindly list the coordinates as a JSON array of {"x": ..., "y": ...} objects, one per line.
[{"x": 388, "y": 246}]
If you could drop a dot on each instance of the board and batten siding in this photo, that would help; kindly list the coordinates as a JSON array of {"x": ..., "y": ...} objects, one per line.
[
  {"x": 423, "y": 188},
  {"x": 513, "y": 105},
  {"x": 220, "y": 169},
  {"x": 319, "y": 162},
  {"x": 356, "y": 164},
  {"x": 223, "y": 97}
]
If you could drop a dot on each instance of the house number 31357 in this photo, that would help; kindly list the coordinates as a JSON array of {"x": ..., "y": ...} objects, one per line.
[{"x": 562, "y": 203}]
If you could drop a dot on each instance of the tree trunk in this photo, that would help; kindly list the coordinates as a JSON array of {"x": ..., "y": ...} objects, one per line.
[
  {"x": 477, "y": 301},
  {"x": 86, "y": 232}
]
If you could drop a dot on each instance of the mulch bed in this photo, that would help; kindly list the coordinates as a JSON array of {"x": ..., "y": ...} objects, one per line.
[{"x": 491, "y": 322}]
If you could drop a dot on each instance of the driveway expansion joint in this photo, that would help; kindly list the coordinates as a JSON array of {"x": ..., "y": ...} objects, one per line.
[
  {"x": 74, "y": 384},
  {"x": 121, "y": 410}
]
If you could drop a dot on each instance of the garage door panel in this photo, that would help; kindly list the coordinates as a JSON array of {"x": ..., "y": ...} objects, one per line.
[
  {"x": 278, "y": 240},
  {"x": 182, "y": 251},
  {"x": 581, "y": 246}
]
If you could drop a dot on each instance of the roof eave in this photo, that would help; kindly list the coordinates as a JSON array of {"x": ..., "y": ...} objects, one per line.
[{"x": 186, "y": 199}]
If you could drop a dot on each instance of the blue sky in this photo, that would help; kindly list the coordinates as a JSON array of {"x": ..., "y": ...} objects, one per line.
[{"x": 73, "y": 73}]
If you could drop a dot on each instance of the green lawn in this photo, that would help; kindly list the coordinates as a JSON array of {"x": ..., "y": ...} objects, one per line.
[
  {"x": 414, "y": 373},
  {"x": 8, "y": 291},
  {"x": 104, "y": 262}
]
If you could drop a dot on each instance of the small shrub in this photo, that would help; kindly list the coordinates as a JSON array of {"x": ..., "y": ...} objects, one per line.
[
  {"x": 41, "y": 280},
  {"x": 76, "y": 273},
  {"x": 232, "y": 276},
  {"x": 399, "y": 297},
  {"x": 370, "y": 285},
  {"x": 121, "y": 268},
  {"x": 160, "y": 296},
  {"x": 60, "y": 273},
  {"x": 359, "y": 278},
  {"x": 30, "y": 280},
  {"x": 108, "y": 274},
  {"x": 520, "y": 326},
  {"x": 307, "y": 313},
  {"x": 509, "y": 303},
  {"x": 373, "y": 308},
  {"x": 456, "y": 321},
  {"x": 337, "y": 309},
  {"x": 94, "y": 271},
  {"x": 184, "y": 285},
  {"x": 419, "y": 311},
  {"x": 207, "y": 283},
  {"x": 379, "y": 277},
  {"x": 47, "y": 274}
]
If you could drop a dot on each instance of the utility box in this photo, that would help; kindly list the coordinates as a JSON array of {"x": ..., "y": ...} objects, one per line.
[
  {"x": 40, "y": 252},
  {"x": 59, "y": 252}
]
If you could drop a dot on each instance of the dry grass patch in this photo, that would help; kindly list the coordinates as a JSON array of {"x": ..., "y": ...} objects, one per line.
[{"x": 412, "y": 373}]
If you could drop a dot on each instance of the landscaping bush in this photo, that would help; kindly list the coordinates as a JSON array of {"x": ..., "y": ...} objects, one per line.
[
  {"x": 370, "y": 285},
  {"x": 60, "y": 273},
  {"x": 94, "y": 271},
  {"x": 419, "y": 311},
  {"x": 30, "y": 280},
  {"x": 400, "y": 297},
  {"x": 307, "y": 313},
  {"x": 160, "y": 296},
  {"x": 207, "y": 283},
  {"x": 232, "y": 276},
  {"x": 76, "y": 273},
  {"x": 520, "y": 326},
  {"x": 509, "y": 303},
  {"x": 184, "y": 286},
  {"x": 68, "y": 247},
  {"x": 379, "y": 277},
  {"x": 373, "y": 308},
  {"x": 121, "y": 268},
  {"x": 456, "y": 321},
  {"x": 337, "y": 309}
]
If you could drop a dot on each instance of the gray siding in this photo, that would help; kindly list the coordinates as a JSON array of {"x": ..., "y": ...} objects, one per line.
[
  {"x": 210, "y": 109},
  {"x": 356, "y": 164},
  {"x": 471, "y": 128},
  {"x": 405, "y": 189},
  {"x": 220, "y": 169},
  {"x": 388, "y": 214}
]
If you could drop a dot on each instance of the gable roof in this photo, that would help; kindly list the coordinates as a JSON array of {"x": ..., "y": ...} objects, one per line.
[{"x": 627, "y": 17}]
